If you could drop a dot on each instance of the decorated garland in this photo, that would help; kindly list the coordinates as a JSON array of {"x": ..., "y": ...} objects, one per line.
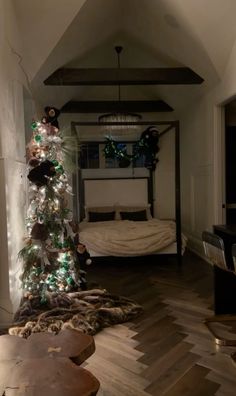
[{"x": 146, "y": 146}]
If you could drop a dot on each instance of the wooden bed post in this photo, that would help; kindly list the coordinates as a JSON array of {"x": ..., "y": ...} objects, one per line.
[
  {"x": 177, "y": 195},
  {"x": 75, "y": 178},
  {"x": 150, "y": 190}
]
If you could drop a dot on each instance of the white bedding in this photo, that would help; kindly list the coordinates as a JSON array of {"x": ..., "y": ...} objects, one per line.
[{"x": 127, "y": 238}]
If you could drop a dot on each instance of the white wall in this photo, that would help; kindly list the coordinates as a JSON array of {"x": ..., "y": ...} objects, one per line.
[
  {"x": 12, "y": 160},
  {"x": 196, "y": 144},
  {"x": 164, "y": 178},
  {"x": 41, "y": 25},
  {"x": 201, "y": 158}
]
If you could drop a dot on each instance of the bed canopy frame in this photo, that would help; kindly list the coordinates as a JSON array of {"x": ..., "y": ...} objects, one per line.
[{"x": 167, "y": 127}]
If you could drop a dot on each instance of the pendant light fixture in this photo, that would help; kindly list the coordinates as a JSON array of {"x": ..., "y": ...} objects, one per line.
[{"x": 119, "y": 121}]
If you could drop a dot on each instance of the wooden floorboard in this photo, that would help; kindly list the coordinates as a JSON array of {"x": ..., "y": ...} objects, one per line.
[{"x": 167, "y": 350}]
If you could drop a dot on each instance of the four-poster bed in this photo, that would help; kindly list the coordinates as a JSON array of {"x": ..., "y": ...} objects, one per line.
[{"x": 109, "y": 192}]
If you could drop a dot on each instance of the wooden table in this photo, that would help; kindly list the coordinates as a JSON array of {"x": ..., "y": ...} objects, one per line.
[{"x": 46, "y": 364}]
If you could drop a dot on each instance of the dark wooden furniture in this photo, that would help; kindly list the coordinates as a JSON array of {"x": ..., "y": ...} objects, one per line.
[
  {"x": 215, "y": 252},
  {"x": 225, "y": 281},
  {"x": 46, "y": 364}
]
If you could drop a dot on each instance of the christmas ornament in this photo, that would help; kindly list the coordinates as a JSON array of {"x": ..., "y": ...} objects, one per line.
[
  {"x": 51, "y": 116},
  {"x": 124, "y": 162},
  {"x": 34, "y": 125},
  {"x": 34, "y": 162},
  {"x": 149, "y": 147},
  {"x": 40, "y": 174},
  {"x": 39, "y": 231}
]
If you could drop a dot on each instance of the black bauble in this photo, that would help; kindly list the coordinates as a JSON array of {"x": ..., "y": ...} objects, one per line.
[
  {"x": 124, "y": 162},
  {"x": 40, "y": 174}
]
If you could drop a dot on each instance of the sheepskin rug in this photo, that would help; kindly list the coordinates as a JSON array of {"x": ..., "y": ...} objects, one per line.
[{"x": 87, "y": 311}]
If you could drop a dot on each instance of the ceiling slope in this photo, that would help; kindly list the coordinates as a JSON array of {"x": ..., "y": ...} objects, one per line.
[
  {"x": 42, "y": 24},
  {"x": 164, "y": 33}
]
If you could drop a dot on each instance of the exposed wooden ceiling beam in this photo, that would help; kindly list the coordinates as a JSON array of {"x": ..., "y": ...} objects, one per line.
[
  {"x": 130, "y": 76},
  {"x": 115, "y": 106}
]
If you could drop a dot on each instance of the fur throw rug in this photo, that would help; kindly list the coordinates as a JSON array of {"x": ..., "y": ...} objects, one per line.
[{"x": 87, "y": 311}]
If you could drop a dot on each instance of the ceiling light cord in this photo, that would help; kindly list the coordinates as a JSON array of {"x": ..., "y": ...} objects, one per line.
[
  {"x": 118, "y": 50},
  {"x": 120, "y": 120}
]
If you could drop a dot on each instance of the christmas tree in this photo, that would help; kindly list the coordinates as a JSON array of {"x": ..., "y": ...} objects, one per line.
[
  {"x": 55, "y": 295},
  {"x": 52, "y": 255}
]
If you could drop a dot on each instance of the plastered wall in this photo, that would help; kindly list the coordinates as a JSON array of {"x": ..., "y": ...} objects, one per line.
[
  {"x": 202, "y": 168},
  {"x": 12, "y": 161},
  {"x": 164, "y": 178}
]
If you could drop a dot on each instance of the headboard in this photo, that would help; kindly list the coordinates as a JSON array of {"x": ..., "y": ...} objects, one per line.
[{"x": 106, "y": 192}]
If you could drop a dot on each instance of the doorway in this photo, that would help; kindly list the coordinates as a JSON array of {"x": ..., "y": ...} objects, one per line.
[{"x": 230, "y": 162}]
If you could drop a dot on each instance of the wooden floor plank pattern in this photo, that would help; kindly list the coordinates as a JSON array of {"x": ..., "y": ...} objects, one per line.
[
  {"x": 167, "y": 350},
  {"x": 193, "y": 383}
]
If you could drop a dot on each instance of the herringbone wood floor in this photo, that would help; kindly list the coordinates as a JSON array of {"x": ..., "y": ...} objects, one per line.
[{"x": 167, "y": 350}]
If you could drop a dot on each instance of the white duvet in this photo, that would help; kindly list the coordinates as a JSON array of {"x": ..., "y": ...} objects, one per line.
[{"x": 127, "y": 238}]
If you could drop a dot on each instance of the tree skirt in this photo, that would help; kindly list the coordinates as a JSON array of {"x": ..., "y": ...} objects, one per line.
[{"x": 87, "y": 311}]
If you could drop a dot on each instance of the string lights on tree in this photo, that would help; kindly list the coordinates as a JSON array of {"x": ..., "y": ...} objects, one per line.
[{"x": 52, "y": 252}]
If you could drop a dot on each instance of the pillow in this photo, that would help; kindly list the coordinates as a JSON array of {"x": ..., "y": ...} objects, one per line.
[
  {"x": 97, "y": 209},
  {"x": 140, "y": 215},
  {"x": 103, "y": 216},
  {"x": 136, "y": 208}
]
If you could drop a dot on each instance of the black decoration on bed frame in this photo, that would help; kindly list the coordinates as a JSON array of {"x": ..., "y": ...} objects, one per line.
[{"x": 169, "y": 126}]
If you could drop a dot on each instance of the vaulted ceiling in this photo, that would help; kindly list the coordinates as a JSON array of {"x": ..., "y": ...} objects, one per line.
[{"x": 154, "y": 33}]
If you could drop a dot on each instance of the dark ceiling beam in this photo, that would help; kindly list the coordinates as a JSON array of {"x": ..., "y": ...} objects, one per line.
[
  {"x": 130, "y": 76},
  {"x": 116, "y": 106}
]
